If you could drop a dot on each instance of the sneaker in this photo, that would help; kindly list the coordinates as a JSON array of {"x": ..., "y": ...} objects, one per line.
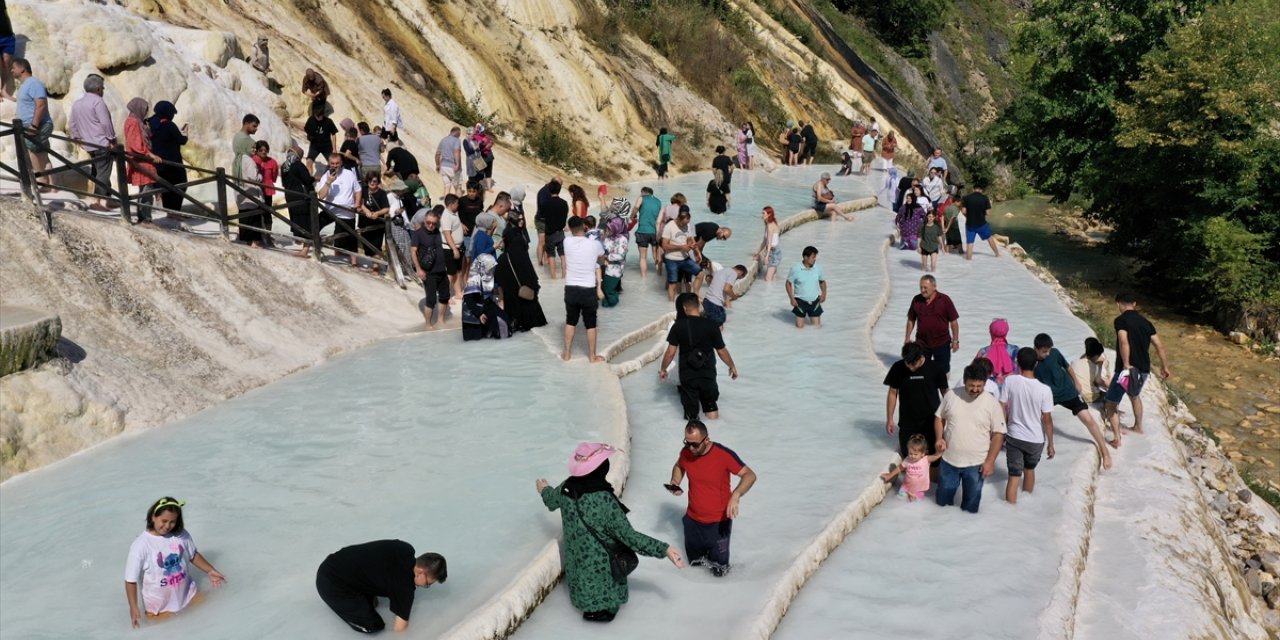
[
  {"x": 598, "y": 616},
  {"x": 719, "y": 570}
]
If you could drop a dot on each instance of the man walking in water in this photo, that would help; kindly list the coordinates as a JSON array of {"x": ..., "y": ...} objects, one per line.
[
  {"x": 352, "y": 579},
  {"x": 807, "y": 289},
  {"x": 939, "y": 324},
  {"x": 696, "y": 339},
  {"x": 1134, "y": 337},
  {"x": 708, "y": 522},
  {"x": 582, "y": 257}
]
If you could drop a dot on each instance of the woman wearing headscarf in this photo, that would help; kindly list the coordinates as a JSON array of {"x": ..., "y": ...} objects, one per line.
[
  {"x": 592, "y": 517},
  {"x": 140, "y": 169},
  {"x": 484, "y": 146},
  {"x": 1003, "y": 356},
  {"x": 299, "y": 184},
  {"x": 909, "y": 220},
  {"x": 516, "y": 278},
  {"x": 481, "y": 315},
  {"x": 166, "y": 141},
  {"x": 615, "y": 253}
]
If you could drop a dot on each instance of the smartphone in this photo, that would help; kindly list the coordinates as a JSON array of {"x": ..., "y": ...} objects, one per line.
[{"x": 672, "y": 487}]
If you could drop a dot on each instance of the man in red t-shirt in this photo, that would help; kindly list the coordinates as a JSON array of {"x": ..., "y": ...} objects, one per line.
[
  {"x": 936, "y": 323},
  {"x": 712, "y": 506}
]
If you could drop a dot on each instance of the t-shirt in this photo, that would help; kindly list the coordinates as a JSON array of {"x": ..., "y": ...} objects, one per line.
[
  {"x": 804, "y": 281},
  {"x": 581, "y": 257},
  {"x": 919, "y": 392},
  {"x": 402, "y": 162},
  {"x": 725, "y": 165},
  {"x": 696, "y": 335},
  {"x": 933, "y": 187},
  {"x": 810, "y": 136},
  {"x": 1087, "y": 371},
  {"x": 976, "y": 205},
  {"x": 969, "y": 424},
  {"x": 555, "y": 214},
  {"x": 450, "y": 223},
  {"x": 449, "y": 146},
  {"x": 717, "y": 201},
  {"x": 1028, "y": 401},
  {"x": 794, "y": 140},
  {"x": 708, "y": 474},
  {"x": 915, "y": 476},
  {"x": 349, "y": 147},
  {"x": 727, "y": 276},
  {"x": 381, "y": 568},
  {"x": 868, "y": 142},
  {"x": 481, "y": 243},
  {"x": 342, "y": 191},
  {"x": 650, "y": 207},
  {"x": 30, "y": 91},
  {"x": 929, "y": 236},
  {"x": 469, "y": 209},
  {"x": 677, "y": 236},
  {"x": 370, "y": 150},
  {"x": 664, "y": 143},
  {"x": 159, "y": 565},
  {"x": 320, "y": 133},
  {"x": 706, "y": 231},
  {"x": 933, "y": 319},
  {"x": 1053, "y": 372},
  {"x": 427, "y": 242},
  {"x": 940, "y": 163},
  {"x": 1138, "y": 331}
]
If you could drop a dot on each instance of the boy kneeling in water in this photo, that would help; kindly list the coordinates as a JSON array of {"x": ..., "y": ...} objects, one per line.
[{"x": 351, "y": 579}]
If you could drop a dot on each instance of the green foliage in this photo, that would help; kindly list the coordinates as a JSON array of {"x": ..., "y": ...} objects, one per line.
[
  {"x": 852, "y": 30},
  {"x": 1222, "y": 263},
  {"x": 904, "y": 24},
  {"x": 468, "y": 112},
  {"x": 784, "y": 15}
]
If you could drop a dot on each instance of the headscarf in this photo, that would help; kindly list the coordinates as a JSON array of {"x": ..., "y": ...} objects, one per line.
[
  {"x": 347, "y": 124},
  {"x": 617, "y": 227},
  {"x": 138, "y": 108},
  {"x": 998, "y": 352},
  {"x": 480, "y": 278},
  {"x": 577, "y": 486},
  {"x": 292, "y": 156}
]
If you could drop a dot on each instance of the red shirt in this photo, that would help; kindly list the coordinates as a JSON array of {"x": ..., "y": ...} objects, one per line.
[
  {"x": 933, "y": 320},
  {"x": 709, "y": 481},
  {"x": 270, "y": 171}
]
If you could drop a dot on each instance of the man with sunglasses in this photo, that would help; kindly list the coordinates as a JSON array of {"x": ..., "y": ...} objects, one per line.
[{"x": 708, "y": 522}]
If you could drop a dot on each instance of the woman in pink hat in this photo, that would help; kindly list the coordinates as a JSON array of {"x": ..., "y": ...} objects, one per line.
[{"x": 592, "y": 518}]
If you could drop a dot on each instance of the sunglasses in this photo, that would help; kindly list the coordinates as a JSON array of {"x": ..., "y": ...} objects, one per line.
[{"x": 695, "y": 445}]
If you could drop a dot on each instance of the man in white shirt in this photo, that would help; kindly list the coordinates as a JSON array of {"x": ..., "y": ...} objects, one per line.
[
  {"x": 1028, "y": 408},
  {"x": 970, "y": 428},
  {"x": 934, "y": 187},
  {"x": 340, "y": 188},
  {"x": 583, "y": 258},
  {"x": 677, "y": 247},
  {"x": 391, "y": 120},
  {"x": 449, "y": 161},
  {"x": 720, "y": 293}
]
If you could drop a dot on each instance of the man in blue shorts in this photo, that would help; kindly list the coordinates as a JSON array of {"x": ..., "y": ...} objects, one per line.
[
  {"x": 720, "y": 293},
  {"x": 678, "y": 251},
  {"x": 1134, "y": 337},
  {"x": 807, "y": 289},
  {"x": 975, "y": 208}
]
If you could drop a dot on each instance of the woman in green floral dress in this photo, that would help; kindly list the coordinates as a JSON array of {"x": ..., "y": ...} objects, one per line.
[{"x": 587, "y": 503}]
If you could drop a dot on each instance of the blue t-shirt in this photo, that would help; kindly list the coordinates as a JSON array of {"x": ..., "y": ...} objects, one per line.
[
  {"x": 805, "y": 281},
  {"x": 482, "y": 243},
  {"x": 650, "y": 207},
  {"x": 1053, "y": 372},
  {"x": 30, "y": 91}
]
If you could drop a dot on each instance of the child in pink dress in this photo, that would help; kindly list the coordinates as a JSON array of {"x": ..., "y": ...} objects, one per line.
[{"x": 914, "y": 470}]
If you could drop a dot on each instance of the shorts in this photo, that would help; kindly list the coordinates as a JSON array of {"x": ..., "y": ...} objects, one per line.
[
  {"x": 451, "y": 177},
  {"x": 580, "y": 301},
  {"x": 644, "y": 240},
  {"x": 699, "y": 392},
  {"x": 540, "y": 225},
  {"x": 973, "y": 233},
  {"x": 436, "y": 286},
  {"x": 775, "y": 258},
  {"x": 555, "y": 244},
  {"x": 452, "y": 265},
  {"x": 1075, "y": 405},
  {"x": 867, "y": 157},
  {"x": 713, "y": 312},
  {"x": 928, "y": 253},
  {"x": 677, "y": 268},
  {"x": 359, "y": 610},
  {"x": 314, "y": 152},
  {"x": 9, "y": 45},
  {"x": 1136, "y": 381},
  {"x": 820, "y": 207},
  {"x": 38, "y": 142},
  {"x": 807, "y": 309},
  {"x": 1020, "y": 455},
  {"x": 940, "y": 356}
]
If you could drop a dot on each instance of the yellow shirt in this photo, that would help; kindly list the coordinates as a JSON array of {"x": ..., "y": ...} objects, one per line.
[{"x": 969, "y": 423}]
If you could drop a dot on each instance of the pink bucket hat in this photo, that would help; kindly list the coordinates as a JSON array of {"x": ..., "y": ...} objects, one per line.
[{"x": 588, "y": 456}]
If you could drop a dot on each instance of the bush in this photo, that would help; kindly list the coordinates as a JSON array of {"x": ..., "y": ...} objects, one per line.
[
  {"x": 904, "y": 24},
  {"x": 468, "y": 112},
  {"x": 1222, "y": 263}
]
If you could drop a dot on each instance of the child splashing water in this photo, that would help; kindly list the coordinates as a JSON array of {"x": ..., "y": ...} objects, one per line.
[
  {"x": 914, "y": 470},
  {"x": 158, "y": 558}
]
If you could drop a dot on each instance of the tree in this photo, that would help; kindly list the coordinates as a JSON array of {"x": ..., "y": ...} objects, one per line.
[{"x": 904, "y": 24}]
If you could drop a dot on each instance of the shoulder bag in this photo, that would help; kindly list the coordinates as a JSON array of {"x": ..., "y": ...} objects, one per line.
[
  {"x": 622, "y": 559},
  {"x": 525, "y": 293}
]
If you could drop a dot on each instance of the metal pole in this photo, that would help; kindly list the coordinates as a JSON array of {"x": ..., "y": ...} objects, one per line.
[
  {"x": 313, "y": 209},
  {"x": 122, "y": 184},
  {"x": 224, "y": 224}
]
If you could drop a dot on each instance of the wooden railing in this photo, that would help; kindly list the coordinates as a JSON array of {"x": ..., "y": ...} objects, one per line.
[{"x": 226, "y": 188}]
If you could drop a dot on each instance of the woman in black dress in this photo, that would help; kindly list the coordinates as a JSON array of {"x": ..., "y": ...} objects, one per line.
[
  {"x": 515, "y": 269},
  {"x": 298, "y": 184},
  {"x": 166, "y": 141}
]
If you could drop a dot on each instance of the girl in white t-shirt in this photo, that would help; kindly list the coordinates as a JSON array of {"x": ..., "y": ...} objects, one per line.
[{"x": 159, "y": 559}]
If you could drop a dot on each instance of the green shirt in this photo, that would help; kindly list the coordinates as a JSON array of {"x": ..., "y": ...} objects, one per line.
[
  {"x": 664, "y": 143},
  {"x": 650, "y": 207}
]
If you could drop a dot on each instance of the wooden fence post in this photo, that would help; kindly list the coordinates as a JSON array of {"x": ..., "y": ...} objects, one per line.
[
  {"x": 24, "y": 162},
  {"x": 313, "y": 211},
  {"x": 224, "y": 224},
  {"x": 122, "y": 184}
]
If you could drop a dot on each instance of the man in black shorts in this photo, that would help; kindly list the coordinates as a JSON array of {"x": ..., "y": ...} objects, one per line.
[
  {"x": 698, "y": 341},
  {"x": 583, "y": 258},
  {"x": 352, "y": 579},
  {"x": 427, "y": 249},
  {"x": 555, "y": 213},
  {"x": 322, "y": 135},
  {"x": 916, "y": 387},
  {"x": 1055, "y": 372}
]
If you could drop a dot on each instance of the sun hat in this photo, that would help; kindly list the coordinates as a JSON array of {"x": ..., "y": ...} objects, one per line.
[{"x": 588, "y": 457}]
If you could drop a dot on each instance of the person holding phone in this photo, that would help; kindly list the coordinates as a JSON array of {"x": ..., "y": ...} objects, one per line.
[{"x": 708, "y": 522}]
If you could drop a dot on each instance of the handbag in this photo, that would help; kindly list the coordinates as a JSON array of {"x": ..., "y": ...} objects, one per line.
[
  {"x": 525, "y": 293},
  {"x": 622, "y": 559},
  {"x": 479, "y": 163}
]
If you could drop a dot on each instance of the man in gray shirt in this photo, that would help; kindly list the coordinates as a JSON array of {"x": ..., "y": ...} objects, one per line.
[
  {"x": 370, "y": 152},
  {"x": 449, "y": 161}
]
